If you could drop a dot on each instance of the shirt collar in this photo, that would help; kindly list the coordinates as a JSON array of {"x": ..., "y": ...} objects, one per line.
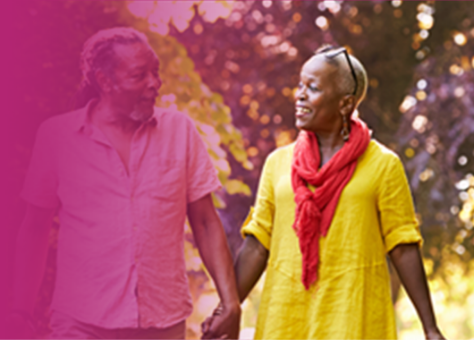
[{"x": 83, "y": 123}]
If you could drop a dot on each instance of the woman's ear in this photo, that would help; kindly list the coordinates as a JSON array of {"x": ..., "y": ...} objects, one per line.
[{"x": 347, "y": 105}]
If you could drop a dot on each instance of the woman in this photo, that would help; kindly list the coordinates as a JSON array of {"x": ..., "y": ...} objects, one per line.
[{"x": 329, "y": 208}]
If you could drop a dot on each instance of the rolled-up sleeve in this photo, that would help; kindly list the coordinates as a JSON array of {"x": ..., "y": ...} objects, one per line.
[
  {"x": 397, "y": 215},
  {"x": 259, "y": 223},
  {"x": 201, "y": 175},
  {"x": 41, "y": 182}
]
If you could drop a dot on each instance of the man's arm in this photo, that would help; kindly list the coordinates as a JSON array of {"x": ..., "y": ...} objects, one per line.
[
  {"x": 407, "y": 260},
  {"x": 214, "y": 250},
  {"x": 30, "y": 261},
  {"x": 30, "y": 256}
]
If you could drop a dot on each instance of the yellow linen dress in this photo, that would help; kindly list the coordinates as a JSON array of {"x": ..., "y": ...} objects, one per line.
[{"x": 351, "y": 299}]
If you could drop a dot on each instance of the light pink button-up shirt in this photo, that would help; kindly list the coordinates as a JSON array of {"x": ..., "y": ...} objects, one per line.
[{"x": 121, "y": 241}]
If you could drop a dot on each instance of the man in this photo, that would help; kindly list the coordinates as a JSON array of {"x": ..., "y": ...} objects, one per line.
[
  {"x": 329, "y": 208},
  {"x": 122, "y": 176}
]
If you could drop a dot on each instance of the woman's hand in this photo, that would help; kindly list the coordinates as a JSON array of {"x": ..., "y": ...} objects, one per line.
[{"x": 434, "y": 334}]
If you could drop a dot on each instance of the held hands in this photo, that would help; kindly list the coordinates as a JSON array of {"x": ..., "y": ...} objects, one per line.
[{"x": 224, "y": 323}]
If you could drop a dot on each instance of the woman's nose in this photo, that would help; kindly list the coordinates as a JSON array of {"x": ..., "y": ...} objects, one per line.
[{"x": 301, "y": 93}]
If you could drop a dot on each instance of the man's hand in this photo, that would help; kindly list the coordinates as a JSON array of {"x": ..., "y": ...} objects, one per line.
[
  {"x": 207, "y": 323},
  {"x": 223, "y": 324}
]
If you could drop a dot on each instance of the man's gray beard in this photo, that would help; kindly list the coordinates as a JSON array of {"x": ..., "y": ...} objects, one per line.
[{"x": 140, "y": 117}]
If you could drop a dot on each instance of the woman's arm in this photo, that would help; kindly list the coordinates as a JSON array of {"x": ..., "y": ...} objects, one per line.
[
  {"x": 406, "y": 258},
  {"x": 249, "y": 266}
]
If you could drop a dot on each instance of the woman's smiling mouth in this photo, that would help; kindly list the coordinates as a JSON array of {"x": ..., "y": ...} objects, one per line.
[{"x": 302, "y": 111}]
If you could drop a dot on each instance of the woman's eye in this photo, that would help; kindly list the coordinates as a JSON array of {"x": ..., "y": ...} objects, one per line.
[{"x": 311, "y": 87}]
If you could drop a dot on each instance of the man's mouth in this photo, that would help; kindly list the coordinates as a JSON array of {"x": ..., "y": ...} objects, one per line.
[
  {"x": 150, "y": 97},
  {"x": 149, "y": 100}
]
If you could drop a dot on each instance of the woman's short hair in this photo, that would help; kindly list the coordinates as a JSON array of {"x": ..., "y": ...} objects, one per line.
[{"x": 346, "y": 83}]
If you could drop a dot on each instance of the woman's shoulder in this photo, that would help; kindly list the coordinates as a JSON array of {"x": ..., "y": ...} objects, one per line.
[
  {"x": 279, "y": 160},
  {"x": 282, "y": 153},
  {"x": 380, "y": 159},
  {"x": 378, "y": 165},
  {"x": 376, "y": 151}
]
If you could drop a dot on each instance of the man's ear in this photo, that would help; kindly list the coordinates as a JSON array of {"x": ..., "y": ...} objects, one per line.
[
  {"x": 347, "y": 105},
  {"x": 103, "y": 81}
]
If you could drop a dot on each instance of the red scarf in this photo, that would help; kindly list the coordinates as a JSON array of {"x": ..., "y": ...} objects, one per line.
[{"x": 314, "y": 211}]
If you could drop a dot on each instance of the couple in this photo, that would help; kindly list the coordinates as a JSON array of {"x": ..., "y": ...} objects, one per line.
[{"x": 123, "y": 175}]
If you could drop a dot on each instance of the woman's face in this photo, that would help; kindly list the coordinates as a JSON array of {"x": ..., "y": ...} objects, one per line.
[{"x": 318, "y": 97}]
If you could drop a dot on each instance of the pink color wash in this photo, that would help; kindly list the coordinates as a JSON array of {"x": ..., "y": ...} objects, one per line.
[{"x": 120, "y": 249}]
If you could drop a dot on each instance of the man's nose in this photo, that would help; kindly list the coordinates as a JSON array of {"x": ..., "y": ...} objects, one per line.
[{"x": 154, "y": 80}]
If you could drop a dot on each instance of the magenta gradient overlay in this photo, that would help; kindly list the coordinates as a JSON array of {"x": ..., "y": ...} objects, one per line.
[
  {"x": 31, "y": 76},
  {"x": 15, "y": 129}
]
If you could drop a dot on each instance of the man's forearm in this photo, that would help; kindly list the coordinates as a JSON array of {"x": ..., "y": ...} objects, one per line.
[
  {"x": 407, "y": 260},
  {"x": 212, "y": 245},
  {"x": 30, "y": 257},
  {"x": 249, "y": 266},
  {"x": 215, "y": 253}
]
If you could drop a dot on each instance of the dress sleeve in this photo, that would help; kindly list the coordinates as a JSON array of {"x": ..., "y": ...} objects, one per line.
[
  {"x": 259, "y": 222},
  {"x": 397, "y": 215}
]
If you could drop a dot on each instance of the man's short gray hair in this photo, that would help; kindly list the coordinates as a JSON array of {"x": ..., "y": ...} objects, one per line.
[
  {"x": 98, "y": 54},
  {"x": 98, "y": 51}
]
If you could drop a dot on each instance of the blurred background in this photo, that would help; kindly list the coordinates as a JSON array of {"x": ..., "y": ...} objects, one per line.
[{"x": 233, "y": 66}]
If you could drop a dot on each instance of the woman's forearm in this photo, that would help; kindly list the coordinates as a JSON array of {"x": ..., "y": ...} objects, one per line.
[
  {"x": 407, "y": 260},
  {"x": 249, "y": 266}
]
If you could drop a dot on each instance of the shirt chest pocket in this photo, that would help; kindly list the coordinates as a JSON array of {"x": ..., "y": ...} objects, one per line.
[{"x": 167, "y": 180}]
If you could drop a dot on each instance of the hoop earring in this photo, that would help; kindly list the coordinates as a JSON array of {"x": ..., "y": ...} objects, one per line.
[{"x": 345, "y": 128}]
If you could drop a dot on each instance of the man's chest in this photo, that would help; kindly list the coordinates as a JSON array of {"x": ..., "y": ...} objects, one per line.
[{"x": 89, "y": 172}]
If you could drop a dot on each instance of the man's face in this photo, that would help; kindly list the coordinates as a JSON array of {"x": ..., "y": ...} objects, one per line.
[
  {"x": 135, "y": 81},
  {"x": 318, "y": 97}
]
